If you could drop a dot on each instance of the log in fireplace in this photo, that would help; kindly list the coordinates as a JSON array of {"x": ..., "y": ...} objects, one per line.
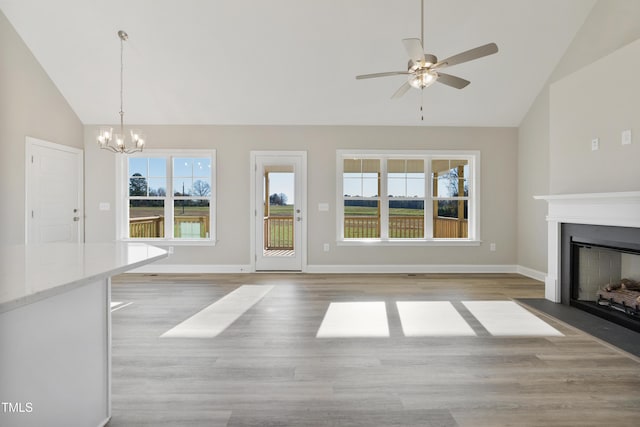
[{"x": 600, "y": 269}]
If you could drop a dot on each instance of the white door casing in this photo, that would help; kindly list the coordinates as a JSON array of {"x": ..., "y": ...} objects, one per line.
[
  {"x": 275, "y": 161},
  {"x": 54, "y": 203}
]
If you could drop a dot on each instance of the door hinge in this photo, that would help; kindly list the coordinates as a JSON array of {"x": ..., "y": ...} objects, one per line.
[
  {"x": 31, "y": 159},
  {"x": 256, "y": 257},
  {"x": 31, "y": 214}
]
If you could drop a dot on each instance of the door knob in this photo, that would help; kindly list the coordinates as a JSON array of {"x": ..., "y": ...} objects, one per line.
[
  {"x": 76, "y": 218},
  {"x": 298, "y": 219}
]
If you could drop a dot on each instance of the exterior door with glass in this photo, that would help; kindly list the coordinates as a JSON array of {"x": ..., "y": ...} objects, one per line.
[{"x": 279, "y": 208}]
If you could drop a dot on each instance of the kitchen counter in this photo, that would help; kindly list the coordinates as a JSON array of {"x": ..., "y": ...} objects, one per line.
[
  {"x": 55, "y": 330},
  {"x": 29, "y": 273}
]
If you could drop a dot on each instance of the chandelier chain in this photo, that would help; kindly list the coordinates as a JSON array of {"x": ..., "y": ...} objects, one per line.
[{"x": 121, "y": 85}]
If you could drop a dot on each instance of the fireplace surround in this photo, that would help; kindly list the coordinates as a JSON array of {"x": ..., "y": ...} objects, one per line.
[{"x": 617, "y": 217}]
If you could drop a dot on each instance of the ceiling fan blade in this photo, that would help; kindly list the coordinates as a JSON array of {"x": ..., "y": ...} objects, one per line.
[
  {"x": 469, "y": 55},
  {"x": 414, "y": 49},
  {"x": 389, "y": 73},
  {"x": 401, "y": 91},
  {"x": 452, "y": 81}
]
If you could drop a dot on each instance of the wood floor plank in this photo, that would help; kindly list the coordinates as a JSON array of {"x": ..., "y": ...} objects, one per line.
[{"x": 269, "y": 369}]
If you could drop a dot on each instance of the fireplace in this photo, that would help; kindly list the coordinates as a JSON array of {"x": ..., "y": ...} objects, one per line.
[
  {"x": 600, "y": 271},
  {"x": 602, "y": 229}
]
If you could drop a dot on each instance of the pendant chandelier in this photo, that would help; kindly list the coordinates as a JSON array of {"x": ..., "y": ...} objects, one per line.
[{"x": 116, "y": 143}]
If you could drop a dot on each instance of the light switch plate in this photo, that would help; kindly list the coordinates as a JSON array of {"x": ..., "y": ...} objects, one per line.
[
  {"x": 626, "y": 137},
  {"x": 323, "y": 207},
  {"x": 595, "y": 144},
  {"x": 104, "y": 206}
]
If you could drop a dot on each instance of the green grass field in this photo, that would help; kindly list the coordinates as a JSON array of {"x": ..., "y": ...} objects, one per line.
[
  {"x": 368, "y": 211},
  {"x": 351, "y": 211},
  {"x": 140, "y": 212},
  {"x": 286, "y": 210}
]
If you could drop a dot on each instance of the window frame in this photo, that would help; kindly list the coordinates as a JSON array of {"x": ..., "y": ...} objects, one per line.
[
  {"x": 472, "y": 156},
  {"x": 122, "y": 197}
]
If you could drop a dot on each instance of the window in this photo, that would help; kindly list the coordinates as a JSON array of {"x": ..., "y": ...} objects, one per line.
[
  {"x": 361, "y": 186},
  {"x": 450, "y": 195},
  {"x": 407, "y": 197},
  {"x": 168, "y": 196}
]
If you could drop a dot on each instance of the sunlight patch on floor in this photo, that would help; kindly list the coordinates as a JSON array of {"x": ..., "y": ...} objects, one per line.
[
  {"x": 117, "y": 305},
  {"x": 432, "y": 319},
  {"x": 216, "y": 318},
  {"x": 507, "y": 318},
  {"x": 354, "y": 319}
]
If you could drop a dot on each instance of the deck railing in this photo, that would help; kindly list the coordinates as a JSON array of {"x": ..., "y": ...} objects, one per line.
[
  {"x": 153, "y": 227},
  {"x": 278, "y": 232},
  {"x": 361, "y": 227},
  {"x": 199, "y": 227},
  {"x": 147, "y": 226},
  {"x": 444, "y": 227},
  {"x": 403, "y": 227},
  {"x": 406, "y": 227}
]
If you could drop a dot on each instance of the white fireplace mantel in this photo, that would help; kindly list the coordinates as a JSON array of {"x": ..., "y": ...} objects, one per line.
[{"x": 621, "y": 209}]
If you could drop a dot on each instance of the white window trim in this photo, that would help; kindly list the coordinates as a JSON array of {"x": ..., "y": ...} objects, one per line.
[
  {"x": 122, "y": 189},
  {"x": 473, "y": 207}
]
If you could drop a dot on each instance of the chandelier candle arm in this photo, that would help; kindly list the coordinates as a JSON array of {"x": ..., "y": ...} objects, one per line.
[{"x": 117, "y": 143}]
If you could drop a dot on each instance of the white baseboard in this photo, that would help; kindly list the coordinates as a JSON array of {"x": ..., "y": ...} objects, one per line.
[
  {"x": 531, "y": 273},
  {"x": 192, "y": 268},
  {"x": 412, "y": 268},
  {"x": 346, "y": 269}
]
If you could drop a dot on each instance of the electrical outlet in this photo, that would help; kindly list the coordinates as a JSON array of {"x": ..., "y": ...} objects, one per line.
[
  {"x": 170, "y": 249},
  {"x": 326, "y": 247},
  {"x": 492, "y": 247},
  {"x": 595, "y": 144},
  {"x": 626, "y": 137}
]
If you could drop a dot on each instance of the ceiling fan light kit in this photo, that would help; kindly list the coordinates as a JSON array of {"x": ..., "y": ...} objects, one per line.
[
  {"x": 423, "y": 68},
  {"x": 422, "y": 79}
]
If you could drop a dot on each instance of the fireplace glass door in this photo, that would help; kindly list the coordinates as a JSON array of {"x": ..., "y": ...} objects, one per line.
[{"x": 606, "y": 279}]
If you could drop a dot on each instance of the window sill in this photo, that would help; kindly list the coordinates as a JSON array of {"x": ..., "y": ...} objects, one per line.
[
  {"x": 409, "y": 242},
  {"x": 176, "y": 242}
]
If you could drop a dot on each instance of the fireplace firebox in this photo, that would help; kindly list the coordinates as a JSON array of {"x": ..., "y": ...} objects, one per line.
[{"x": 600, "y": 268}]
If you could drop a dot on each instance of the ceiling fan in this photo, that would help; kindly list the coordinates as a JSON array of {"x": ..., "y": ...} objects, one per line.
[{"x": 424, "y": 68}]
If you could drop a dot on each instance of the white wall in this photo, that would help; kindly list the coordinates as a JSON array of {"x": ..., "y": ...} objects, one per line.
[
  {"x": 234, "y": 143},
  {"x": 611, "y": 25},
  {"x": 598, "y": 101},
  {"x": 30, "y": 105},
  {"x": 533, "y": 179}
]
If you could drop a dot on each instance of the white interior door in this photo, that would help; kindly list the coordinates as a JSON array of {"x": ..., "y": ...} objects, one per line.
[
  {"x": 279, "y": 205},
  {"x": 54, "y": 199}
]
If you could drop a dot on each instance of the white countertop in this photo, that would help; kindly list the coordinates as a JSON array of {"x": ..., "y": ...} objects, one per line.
[{"x": 30, "y": 273}]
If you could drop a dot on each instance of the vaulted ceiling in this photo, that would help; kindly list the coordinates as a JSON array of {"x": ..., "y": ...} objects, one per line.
[{"x": 293, "y": 62}]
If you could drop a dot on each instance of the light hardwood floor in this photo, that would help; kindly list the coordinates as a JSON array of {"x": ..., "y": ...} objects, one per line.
[{"x": 268, "y": 369}]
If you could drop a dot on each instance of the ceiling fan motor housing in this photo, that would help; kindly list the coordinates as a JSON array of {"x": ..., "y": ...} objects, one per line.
[{"x": 428, "y": 61}]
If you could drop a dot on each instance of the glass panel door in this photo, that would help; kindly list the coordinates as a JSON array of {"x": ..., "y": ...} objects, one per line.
[{"x": 279, "y": 212}]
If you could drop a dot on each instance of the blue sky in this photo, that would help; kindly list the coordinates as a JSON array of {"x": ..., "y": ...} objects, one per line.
[{"x": 282, "y": 182}]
